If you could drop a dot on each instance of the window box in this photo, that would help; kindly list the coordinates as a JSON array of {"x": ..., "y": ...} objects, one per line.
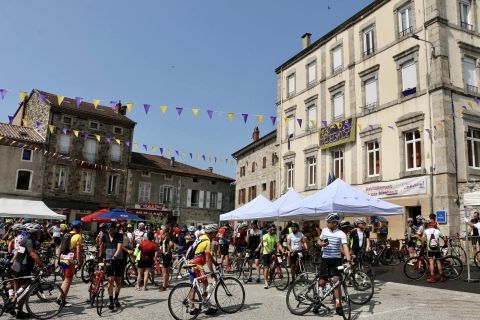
[{"x": 408, "y": 92}]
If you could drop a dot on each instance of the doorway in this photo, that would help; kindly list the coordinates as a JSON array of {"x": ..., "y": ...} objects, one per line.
[{"x": 414, "y": 211}]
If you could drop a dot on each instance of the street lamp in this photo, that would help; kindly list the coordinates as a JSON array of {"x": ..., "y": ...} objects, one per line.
[{"x": 434, "y": 55}]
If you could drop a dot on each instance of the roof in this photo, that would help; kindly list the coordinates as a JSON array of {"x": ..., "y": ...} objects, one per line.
[
  {"x": 86, "y": 107},
  {"x": 344, "y": 25},
  {"x": 162, "y": 164},
  {"x": 20, "y": 133},
  {"x": 265, "y": 138}
]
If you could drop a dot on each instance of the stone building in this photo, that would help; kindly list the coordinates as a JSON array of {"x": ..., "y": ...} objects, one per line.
[
  {"x": 257, "y": 168},
  {"x": 162, "y": 188},
  {"x": 91, "y": 147},
  {"x": 22, "y": 162}
]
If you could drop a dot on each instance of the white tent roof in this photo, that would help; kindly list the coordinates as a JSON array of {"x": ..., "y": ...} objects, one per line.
[
  {"x": 22, "y": 208},
  {"x": 251, "y": 207},
  {"x": 340, "y": 197},
  {"x": 471, "y": 199},
  {"x": 272, "y": 211}
]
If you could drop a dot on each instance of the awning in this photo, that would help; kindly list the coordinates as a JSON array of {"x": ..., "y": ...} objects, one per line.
[{"x": 23, "y": 208}]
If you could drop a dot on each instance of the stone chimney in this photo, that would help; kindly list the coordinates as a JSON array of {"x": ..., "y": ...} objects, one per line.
[
  {"x": 306, "y": 40},
  {"x": 210, "y": 169},
  {"x": 172, "y": 161},
  {"x": 121, "y": 109},
  {"x": 256, "y": 134}
]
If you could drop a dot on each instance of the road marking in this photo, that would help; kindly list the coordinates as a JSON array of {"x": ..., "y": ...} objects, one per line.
[{"x": 384, "y": 312}]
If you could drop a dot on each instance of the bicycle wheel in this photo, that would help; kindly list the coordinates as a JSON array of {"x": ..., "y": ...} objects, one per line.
[
  {"x": 452, "y": 267},
  {"x": 476, "y": 259},
  {"x": 388, "y": 257},
  {"x": 345, "y": 302},
  {"x": 99, "y": 301},
  {"x": 301, "y": 296},
  {"x": 247, "y": 271},
  {"x": 415, "y": 268},
  {"x": 3, "y": 302},
  {"x": 45, "y": 300},
  {"x": 458, "y": 252},
  {"x": 229, "y": 295},
  {"x": 179, "y": 304},
  {"x": 360, "y": 287},
  {"x": 91, "y": 294},
  {"x": 87, "y": 270},
  {"x": 130, "y": 274},
  {"x": 280, "y": 277}
]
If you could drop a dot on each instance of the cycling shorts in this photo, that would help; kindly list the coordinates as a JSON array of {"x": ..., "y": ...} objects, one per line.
[
  {"x": 434, "y": 254},
  {"x": 328, "y": 267}
]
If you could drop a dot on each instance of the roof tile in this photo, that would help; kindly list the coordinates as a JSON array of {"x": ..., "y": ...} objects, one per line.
[{"x": 20, "y": 133}]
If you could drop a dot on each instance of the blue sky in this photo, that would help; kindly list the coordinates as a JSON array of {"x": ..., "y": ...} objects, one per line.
[{"x": 210, "y": 54}]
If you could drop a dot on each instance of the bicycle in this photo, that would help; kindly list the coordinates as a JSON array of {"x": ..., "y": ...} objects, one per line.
[
  {"x": 304, "y": 295},
  {"x": 177, "y": 266},
  {"x": 301, "y": 269},
  {"x": 360, "y": 283},
  {"x": 453, "y": 248},
  {"x": 416, "y": 267},
  {"x": 43, "y": 300},
  {"x": 243, "y": 268},
  {"x": 278, "y": 273},
  {"x": 96, "y": 290},
  {"x": 224, "y": 290}
]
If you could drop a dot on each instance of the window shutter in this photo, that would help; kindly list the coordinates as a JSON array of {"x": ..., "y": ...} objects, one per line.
[
  {"x": 312, "y": 116},
  {"x": 207, "y": 202},
  {"x": 409, "y": 75},
  {"x": 219, "y": 201},
  {"x": 469, "y": 71},
  {"x": 147, "y": 191},
  {"x": 312, "y": 72},
  {"x": 291, "y": 84},
  {"x": 337, "y": 57},
  {"x": 161, "y": 192},
  {"x": 338, "y": 105},
  {"x": 189, "y": 197},
  {"x": 64, "y": 144},
  {"x": 200, "y": 198},
  {"x": 174, "y": 195},
  {"x": 370, "y": 92},
  {"x": 140, "y": 192}
]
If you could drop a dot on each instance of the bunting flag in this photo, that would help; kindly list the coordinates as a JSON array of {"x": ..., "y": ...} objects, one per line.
[
  {"x": 41, "y": 96},
  {"x": 109, "y": 140},
  {"x": 38, "y": 124},
  {"x": 60, "y": 100},
  {"x": 177, "y": 153},
  {"x": 184, "y": 154},
  {"x": 191, "y": 155},
  {"x": 245, "y": 117},
  {"x": 145, "y": 147},
  {"x": 163, "y": 109},
  {"x": 179, "y": 110},
  {"x": 230, "y": 116},
  {"x": 313, "y": 123},
  {"x": 135, "y": 145},
  {"x": 75, "y": 133},
  {"x": 51, "y": 128},
  {"x": 391, "y": 127},
  {"x": 113, "y": 104},
  {"x": 160, "y": 150},
  {"x": 129, "y": 106},
  {"x": 259, "y": 118},
  {"x": 78, "y": 101},
  {"x": 324, "y": 123},
  {"x": 3, "y": 92},
  {"x": 286, "y": 120},
  {"x": 477, "y": 100},
  {"x": 146, "y": 106},
  {"x": 210, "y": 114},
  {"x": 215, "y": 159},
  {"x": 195, "y": 111},
  {"x": 370, "y": 126},
  {"x": 85, "y": 135},
  {"x": 300, "y": 122},
  {"x": 64, "y": 130},
  {"x": 203, "y": 157},
  {"x": 97, "y": 136},
  {"x": 96, "y": 102},
  {"x": 154, "y": 148},
  {"x": 22, "y": 95},
  {"x": 25, "y": 122},
  {"x": 274, "y": 119},
  {"x": 127, "y": 143},
  {"x": 435, "y": 127},
  {"x": 118, "y": 141},
  {"x": 429, "y": 132}
]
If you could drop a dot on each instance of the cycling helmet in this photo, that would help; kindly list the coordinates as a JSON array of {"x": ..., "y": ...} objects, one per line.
[
  {"x": 272, "y": 226},
  {"x": 360, "y": 221},
  {"x": 18, "y": 227},
  {"x": 33, "y": 227},
  {"x": 210, "y": 228},
  {"x": 191, "y": 229},
  {"x": 76, "y": 224},
  {"x": 244, "y": 224},
  {"x": 345, "y": 224},
  {"x": 294, "y": 225},
  {"x": 419, "y": 217},
  {"x": 410, "y": 220},
  {"x": 141, "y": 224},
  {"x": 332, "y": 217}
]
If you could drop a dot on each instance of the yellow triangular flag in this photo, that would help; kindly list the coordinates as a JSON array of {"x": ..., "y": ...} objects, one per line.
[
  {"x": 195, "y": 111},
  {"x": 129, "y": 106},
  {"x": 25, "y": 122},
  {"x": 45, "y": 152},
  {"x": 470, "y": 106},
  {"x": 75, "y": 133},
  {"x": 163, "y": 109},
  {"x": 22, "y": 95},
  {"x": 82, "y": 163},
  {"x": 184, "y": 154},
  {"x": 96, "y": 102},
  {"x": 98, "y": 137},
  {"x": 36, "y": 148},
  {"x": 135, "y": 145},
  {"x": 117, "y": 140},
  {"x": 314, "y": 123},
  {"x": 13, "y": 142},
  {"x": 154, "y": 148},
  {"x": 359, "y": 126},
  {"x": 198, "y": 156},
  {"x": 259, "y": 118},
  {"x": 1, "y": 138},
  {"x": 51, "y": 127},
  {"x": 231, "y": 116},
  {"x": 287, "y": 120},
  {"x": 60, "y": 100}
]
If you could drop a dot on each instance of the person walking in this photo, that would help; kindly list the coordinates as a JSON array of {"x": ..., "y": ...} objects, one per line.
[
  {"x": 431, "y": 240},
  {"x": 148, "y": 250},
  {"x": 111, "y": 249},
  {"x": 166, "y": 250}
]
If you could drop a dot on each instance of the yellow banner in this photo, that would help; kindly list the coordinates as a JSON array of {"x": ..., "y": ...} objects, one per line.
[
  {"x": 51, "y": 127},
  {"x": 259, "y": 118},
  {"x": 75, "y": 133},
  {"x": 96, "y": 102},
  {"x": 98, "y": 137},
  {"x": 195, "y": 111},
  {"x": 231, "y": 116},
  {"x": 22, "y": 95},
  {"x": 25, "y": 122},
  {"x": 60, "y": 100},
  {"x": 129, "y": 106},
  {"x": 163, "y": 109}
]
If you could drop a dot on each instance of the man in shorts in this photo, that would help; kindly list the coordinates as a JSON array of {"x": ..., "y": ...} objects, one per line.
[
  {"x": 270, "y": 244},
  {"x": 296, "y": 242},
  {"x": 111, "y": 249},
  {"x": 431, "y": 239},
  {"x": 167, "y": 247},
  {"x": 411, "y": 237},
  {"x": 224, "y": 240},
  {"x": 254, "y": 241},
  {"x": 76, "y": 247}
]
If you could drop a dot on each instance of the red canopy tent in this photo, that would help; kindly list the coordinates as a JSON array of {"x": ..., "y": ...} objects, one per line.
[{"x": 92, "y": 216}]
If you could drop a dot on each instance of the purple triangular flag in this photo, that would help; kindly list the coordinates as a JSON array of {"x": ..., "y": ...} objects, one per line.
[
  {"x": 38, "y": 124},
  {"x": 245, "y": 117},
  {"x": 10, "y": 119},
  {"x": 85, "y": 135},
  {"x": 391, "y": 127},
  {"x": 161, "y": 150},
  {"x": 300, "y": 122},
  {"x": 64, "y": 130},
  {"x": 177, "y": 153},
  {"x": 112, "y": 104},
  {"x": 429, "y": 131},
  {"x": 215, "y": 159},
  {"x": 210, "y": 113},
  {"x": 3, "y": 92},
  {"x": 179, "y": 110},
  {"x": 435, "y": 127},
  {"x": 191, "y": 155},
  {"x": 78, "y": 101},
  {"x": 127, "y": 143},
  {"x": 109, "y": 140},
  {"x": 41, "y": 96},
  {"x": 226, "y": 160},
  {"x": 324, "y": 123},
  {"x": 145, "y": 147},
  {"x": 203, "y": 157},
  {"x": 464, "y": 107},
  {"x": 274, "y": 119},
  {"x": 146, "y": 106},
  {"x": 370, "y": 126},
  {"x": 477, "y": 100}
]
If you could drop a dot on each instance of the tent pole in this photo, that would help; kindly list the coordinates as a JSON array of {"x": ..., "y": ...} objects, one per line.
[{"x": 467, "y": 250}]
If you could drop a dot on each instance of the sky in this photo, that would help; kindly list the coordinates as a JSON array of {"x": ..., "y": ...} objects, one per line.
[{"x": 212, "y": 54}]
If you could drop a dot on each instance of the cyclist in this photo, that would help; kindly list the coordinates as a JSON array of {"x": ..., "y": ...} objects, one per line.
[
  {"x": 56, "y": 233},
  {"x": 359, "y": 238},
  {"x": 112, "y": 251},
  {"x": 269, "y": 246},
  {"x": 475, "y": 235},
  {"x": 334, "y": 244},
  {"x": 420, "y": 225},
  {"x": 148, "y": 251},
  {"x": 254, "y": 236},
  {"x": 345, "y": 226},
  {"x": 411, "y": 236},
  {"x": 167, "y": 246},
  {"x": 296, "y": 242},
  {"x": 202, "y": 256},
  {"x": 139, "y": 233},
  {"x": 240, "y": 238},
  {"x": 224, "y": 240},
  {"x": 431, "y": 239}
]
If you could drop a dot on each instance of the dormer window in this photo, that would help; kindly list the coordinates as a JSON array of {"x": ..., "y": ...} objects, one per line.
[{"x": 94, "y": 125}]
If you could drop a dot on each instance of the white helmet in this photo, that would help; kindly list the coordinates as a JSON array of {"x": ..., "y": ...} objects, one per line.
[
  {"x": 33, "y": 227},
  {"x": 333, "y": 217},
  {"x": 18, "y": 227},
  {"x": 191, "y": 229},
  {"x": 210, "y": 228},
  {"x": 141, "y": 224}
]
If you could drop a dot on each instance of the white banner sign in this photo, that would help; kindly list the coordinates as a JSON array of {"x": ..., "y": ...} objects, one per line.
[{"x": 397, "y": 188}]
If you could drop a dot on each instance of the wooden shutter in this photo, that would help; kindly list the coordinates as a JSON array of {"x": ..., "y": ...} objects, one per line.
[
  {"x": 174, "y": 195},
  {"x": 161, "y": 193},
  {"x": 189, "y": 198},
  {"x": 200, "y": 198},
  {"x": 219, "y": 200},
  {"x": 207, "y": 202}
]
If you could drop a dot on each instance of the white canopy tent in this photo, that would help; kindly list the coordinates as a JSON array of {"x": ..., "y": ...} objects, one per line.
[
  {"x": 22, "y": 208},
  {"x": 470, "y": 199},
  {"x": 251, "y": 207},
  {"x": 339, "y": 197},
  {"x": 272, "y": 211}
]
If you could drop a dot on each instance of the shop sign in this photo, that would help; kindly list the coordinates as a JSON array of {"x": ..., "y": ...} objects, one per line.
[
  {"x": 397, "y": 188},
  {"x": 441, "y": 216},
  {"x": 150, "y": 206},
  {"x": 338, "y": 133}
]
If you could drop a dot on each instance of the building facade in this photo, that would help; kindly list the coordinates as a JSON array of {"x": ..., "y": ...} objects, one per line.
[
  {"x": 257, "y": 169},
  {"x": 387, "y": 101},
  {"x": 168, "y": 190}
]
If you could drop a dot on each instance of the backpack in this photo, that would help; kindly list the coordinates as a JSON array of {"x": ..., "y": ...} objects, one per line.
[
  {"x": 433, "y": 242},
  {"x": 65, "y": 244},
  {"x": 191, "y": 251}
]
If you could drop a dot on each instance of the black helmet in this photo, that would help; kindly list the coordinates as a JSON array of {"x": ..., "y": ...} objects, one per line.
[
  {"x": 294, "y": 225},
  {"x": 345, "y": 224}
]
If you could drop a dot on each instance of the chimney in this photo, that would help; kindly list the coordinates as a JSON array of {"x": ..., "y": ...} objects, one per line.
[
  {"x": 306, "y": 40},
  {"x": 121, "y": 109},
  {"x": 210, "y": 169},
  {"x": 256, "y": 134},
  {"x": 172, "y": 161}
]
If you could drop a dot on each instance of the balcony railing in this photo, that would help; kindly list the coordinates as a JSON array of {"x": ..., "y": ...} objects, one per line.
[
  {"x": 466, "y": 26},
  {"x": 472, "y": 89},
  {"x": 405, "y": 32},
  {"x": 368, "y": 52},
  {"x": 338, "y": 69},
  {"x": 370, "y": 107}
]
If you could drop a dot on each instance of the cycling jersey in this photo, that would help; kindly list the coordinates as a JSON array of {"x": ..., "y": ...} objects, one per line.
[
  {"x": 296, "y": 241},
  {"x": 336, "y": 239},
  {"x": 358, "y": 239},
  {"x": 254, "y": 237},
  {"x": 432, "y": 236},
  {"x": 269, "y": 243},
  {"x": 138, "y": 234}
]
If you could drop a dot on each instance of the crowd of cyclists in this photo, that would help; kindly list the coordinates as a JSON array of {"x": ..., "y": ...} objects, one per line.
[{"x": 203, "y": 246}]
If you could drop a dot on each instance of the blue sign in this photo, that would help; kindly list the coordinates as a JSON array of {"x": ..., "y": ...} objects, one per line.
[{"x": 441, "y": 216}]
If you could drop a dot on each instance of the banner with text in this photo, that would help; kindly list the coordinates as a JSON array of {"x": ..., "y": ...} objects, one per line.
[
  {"x": 397, "y": 188},
  {"x": 337, "y": 133}
]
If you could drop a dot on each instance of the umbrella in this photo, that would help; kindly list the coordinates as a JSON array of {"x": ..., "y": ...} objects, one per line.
[
  {"x": 117, "y": 215},
  {"x": 92, "y": 216}
]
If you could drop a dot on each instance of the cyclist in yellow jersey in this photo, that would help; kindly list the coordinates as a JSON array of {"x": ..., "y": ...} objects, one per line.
[{"x": 269, "y": 245}]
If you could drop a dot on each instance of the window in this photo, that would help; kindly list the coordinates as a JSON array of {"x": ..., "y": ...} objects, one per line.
[
  {"x": 368, "y": 42},
  {"x": 194, "y": 199},
  {"x": 168, "y": 176},
  {"x": 274, "y": 159},
  {"x": 67, "y": 120},
  {"x": 291, "y": 85},
  {"x": 264, "y": 187},
  {"x": 94, "y": 125},
  {"x": 338, "y": 164},
  {"x": 473, "y": 147},
  {"x": 213, "y": 182},
  {"x": 290, "y": 175},
  {"x": 64, "y": 144},
  {"x": 413, "y": 150},
  {"x": 337, "y": 59},
  {"x": 465, "y": 15},
  {"x": 144, "y": 192},
  {"x": 26, "y": 155},
  {"x": 88, "y": 181},
  {"x": 404, "y": 21},
  {"x": 312, "y": 116},
  {"x": 371, "y": 93},
  {"x": 241, "y": 196},
  {"x": 61, "y": 178},
  {"x": 273, "y": 186},
  {"x": 312, "y": 171},
  {"x": 24, "y": 180},
  {"x": 311, "y": 73},
  {"x": 117, "y": 130},
  {"x": 167, "y": 194},
  {"x": 113, "y": 184},
  {"x": 469, "y": 74},
  {"x": 90, "y": 150},
  {"x": 291, "y": 126},
  {"x": 409, "y": 78},
  {"x": 338, "y": 105},
  {"x": 252, "y": 193},
  {"x": 213, "y": 200},
  {"x": 242, "y": 171},
  {"x": 145, "y": 173},
  {"x": 264, "y": 162},
  {"x": 115, "y": 153},
  {"x": 373, "y": 158},
  {"x": 195, "y": 179},
  {"x": 253, "y": 166}
]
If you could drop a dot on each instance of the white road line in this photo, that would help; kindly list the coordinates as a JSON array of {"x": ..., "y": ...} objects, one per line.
[{"x": 384, "y": 312}]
